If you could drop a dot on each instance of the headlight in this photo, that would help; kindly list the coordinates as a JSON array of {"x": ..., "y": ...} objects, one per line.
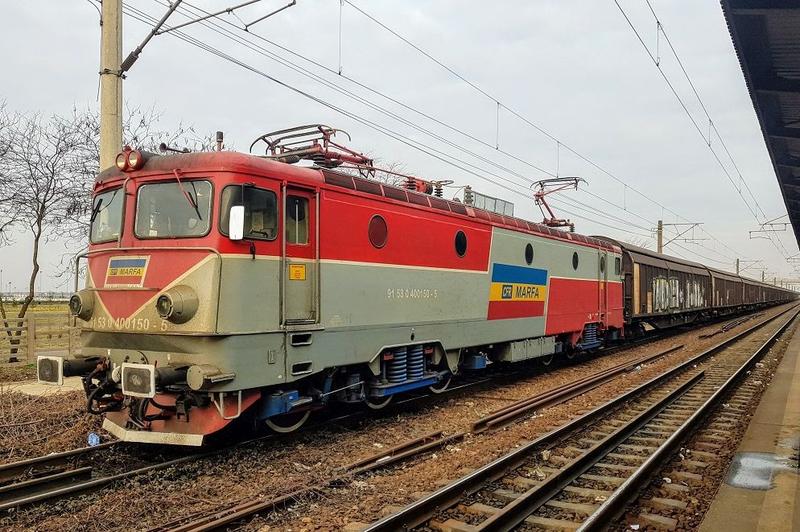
[
  {"x": 135, "y": 160},
  {"x": 81, "y": 304},
  {"x": 122, "y": 161},
  {"x": 178, "y": 304},
  {"x": 164, "y": 306}
]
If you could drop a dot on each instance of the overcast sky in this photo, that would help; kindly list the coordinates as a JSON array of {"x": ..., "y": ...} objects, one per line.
[{"x": 573, "y": 68}]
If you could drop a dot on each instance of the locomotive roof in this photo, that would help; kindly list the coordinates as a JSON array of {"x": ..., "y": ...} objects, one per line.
[
  {"x": 212, "y": 161},
  {"x": 230, "y": 161}
]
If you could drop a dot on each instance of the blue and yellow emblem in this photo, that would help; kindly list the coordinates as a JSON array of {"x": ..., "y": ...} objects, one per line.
[
  {"x": 517, "y": 292},
  {"x": 126, "y": 271}
]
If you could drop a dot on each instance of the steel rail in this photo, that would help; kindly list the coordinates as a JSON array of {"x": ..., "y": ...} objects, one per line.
[
  {"x": 60, "y": 483},
  {"x": 562, "y": 393},
  {"x": 627, "y": 491},
  {"x": 423, "y": 509},
  {"x": 501, "y": 417},
  {"x": 93, "y": 484},
  {"x": 29, "y": 466},
  {"x": 515, "y": 513},
  {"x": 204, "y": 521}
]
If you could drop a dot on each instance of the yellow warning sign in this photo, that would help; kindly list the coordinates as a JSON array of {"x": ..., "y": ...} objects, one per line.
[{"x": 297, "y": 272}]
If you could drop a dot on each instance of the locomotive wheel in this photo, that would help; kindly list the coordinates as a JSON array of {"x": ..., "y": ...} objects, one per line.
[
  {"x": 378, "y": 404},
  {"x": 442, "y": 385},
  {"x": 547, "y": 360},
  {"x": 286, "y": 423},
  {"x": 571, "y": 355}
]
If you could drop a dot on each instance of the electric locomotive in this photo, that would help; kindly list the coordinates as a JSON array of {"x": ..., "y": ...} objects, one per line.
[{"x": 223, "y": 285}]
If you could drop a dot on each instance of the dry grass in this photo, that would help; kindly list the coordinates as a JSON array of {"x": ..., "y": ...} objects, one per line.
[
  {"x": 12, "y": 309},
  {"x": 17, "y": 372},
  {"x": 35, "y": 425}
]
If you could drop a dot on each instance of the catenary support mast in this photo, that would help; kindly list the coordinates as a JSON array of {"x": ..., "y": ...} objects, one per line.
[{"x": 110, "y": 82}]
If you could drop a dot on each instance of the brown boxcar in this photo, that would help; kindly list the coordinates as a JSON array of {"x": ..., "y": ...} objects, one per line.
[{"x": 663, "y": 290}]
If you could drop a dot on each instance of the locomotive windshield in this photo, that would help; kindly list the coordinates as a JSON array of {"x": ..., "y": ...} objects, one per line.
[
  {"x": 176, "y": 209},
  {"x": 106, "y": 217}
]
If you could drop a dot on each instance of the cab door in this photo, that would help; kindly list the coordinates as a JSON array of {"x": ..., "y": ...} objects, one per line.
[
  {"x": 300, "y": 256},
  {"x": 602, "y": 286}
]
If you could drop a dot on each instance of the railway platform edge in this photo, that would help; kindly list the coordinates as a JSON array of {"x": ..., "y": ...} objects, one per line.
[{"x": 761, "y": 490}]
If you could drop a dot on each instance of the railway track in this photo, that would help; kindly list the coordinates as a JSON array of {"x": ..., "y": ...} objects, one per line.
[
  {"x": 72, "y": 472},
  {"x": 406, "y": 450},
  {"x": 76, "y": 471},
  {"x": 583, "y": 474},
  {"x": 679, "y": 495},
  {"x": 240, "y": 510}
]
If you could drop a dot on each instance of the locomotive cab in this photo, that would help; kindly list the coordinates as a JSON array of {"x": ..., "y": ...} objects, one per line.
[{"x": 183, "y": 313}]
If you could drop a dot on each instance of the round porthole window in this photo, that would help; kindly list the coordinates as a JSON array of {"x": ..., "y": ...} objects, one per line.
[
  {"x": 378, "y": 231},
  {"x": 602, "y": 264},
  {"x": 461, "y": 243},
  {"x": 575, "y": 261},
  {"x": 529, "y": 253}
]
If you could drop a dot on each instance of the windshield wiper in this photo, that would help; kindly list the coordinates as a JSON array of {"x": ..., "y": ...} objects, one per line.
[
  {"x": 192, "y": 201},
  {"x": 96, "y": 209},
  {"x": 195, "y": 203}
]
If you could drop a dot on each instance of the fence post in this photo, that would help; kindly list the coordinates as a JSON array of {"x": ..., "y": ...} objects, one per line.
[{"x": 31, "y": 332}]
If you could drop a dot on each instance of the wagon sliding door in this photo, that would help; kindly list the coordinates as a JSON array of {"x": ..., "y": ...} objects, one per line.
[
  {"x": 300, "y": 256},
  {"x": 602, "y": 285}
]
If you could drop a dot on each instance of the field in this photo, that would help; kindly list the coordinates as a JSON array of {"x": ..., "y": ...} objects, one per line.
[{"x": 37, "y": 308}]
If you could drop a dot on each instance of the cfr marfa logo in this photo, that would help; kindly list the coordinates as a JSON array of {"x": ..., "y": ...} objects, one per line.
[{"x": 508, "y": 291}]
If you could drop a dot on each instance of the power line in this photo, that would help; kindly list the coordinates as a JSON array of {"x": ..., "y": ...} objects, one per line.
[
  {"x": 335, "y": 86},
  {"x": 713, "y": 125},
  {"x": 440, "y": 122},
  {"x": 702, "y": 104},
  {"x": 706, "y": 139},
  {"x": 358, "y": 98},
  {"x": 388, "y": 132},
  {"x": 518, "y": 115},
  {"x": 147, "y": 19}
]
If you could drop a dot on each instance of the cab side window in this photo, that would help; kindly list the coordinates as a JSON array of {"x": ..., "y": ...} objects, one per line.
[
  {"x": 296, "y": 220},
  {"x": 260, "y": 211}
]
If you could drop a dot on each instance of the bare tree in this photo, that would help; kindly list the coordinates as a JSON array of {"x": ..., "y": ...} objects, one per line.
[
  {"x": 6, "y": 190},
  {"x": 48, "y": 166}
]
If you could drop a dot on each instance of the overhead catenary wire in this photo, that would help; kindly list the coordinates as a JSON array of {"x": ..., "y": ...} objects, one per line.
[
  {"x": 415, "y": 126},
  {"x": 386, "y": 131},
  {"x": 524, "y": 194},
  {"x": 512, "y": 111},
  {"x": 294, "y": 66},
  {"x": 706, "y": 139},
  {"x": 702, "y": 104},
  {"x": 394, "y": 116},
  {"x": 334, "y": 86},
  {"x": 437, "y": 154},
  {"x": 146, "y": 19},
  {"x": 559, "y": 142}
]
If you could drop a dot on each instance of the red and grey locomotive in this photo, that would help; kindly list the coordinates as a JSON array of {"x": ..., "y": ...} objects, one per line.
[{"x": 223, "y": 285}]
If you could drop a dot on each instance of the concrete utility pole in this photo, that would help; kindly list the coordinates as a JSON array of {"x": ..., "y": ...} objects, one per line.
[
  {"x": 110, "y": 82},
  {"x": 737, "y": 266},
  {"x": 660, "y": 234}
]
